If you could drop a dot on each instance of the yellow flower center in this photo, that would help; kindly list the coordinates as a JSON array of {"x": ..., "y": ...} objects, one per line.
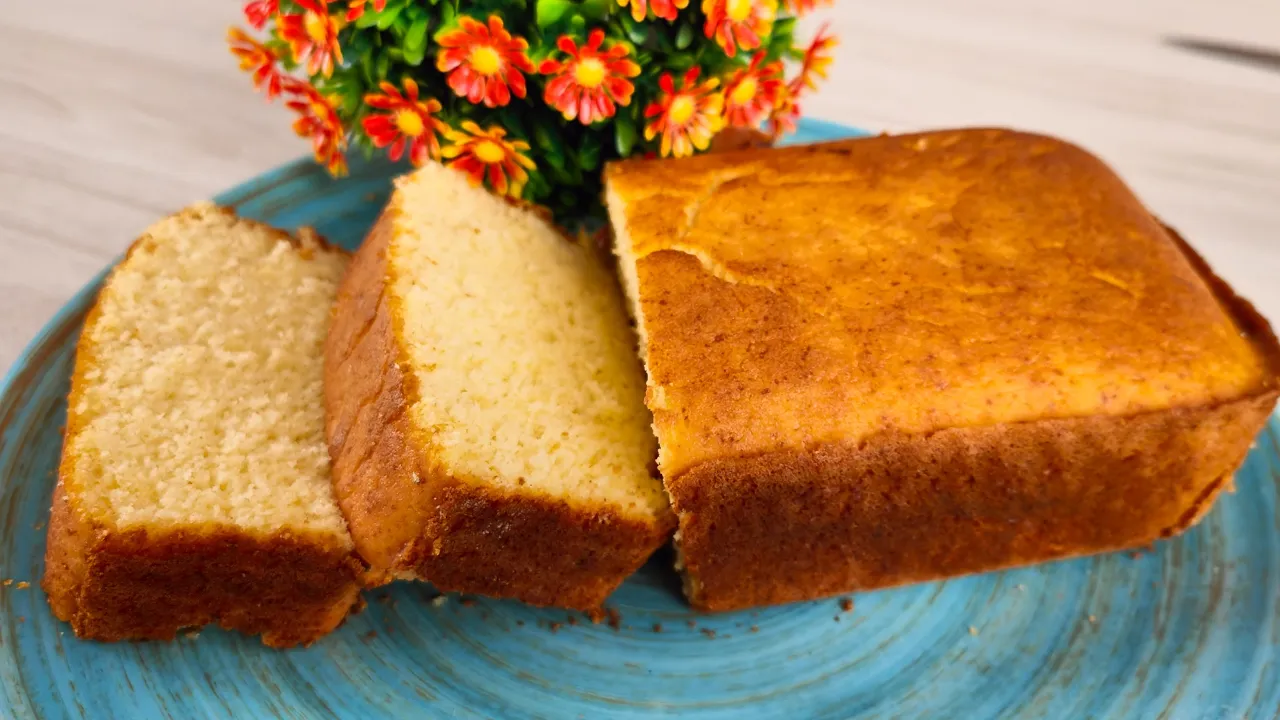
[
  {"x": 409, "y": 122},
  {"x": 745, "y": 91},
  {"x": 488, "y": 151},
  {"x": 317, "y": 27},
  {"x": 485, "y": 60},
  {"x": 738, "y": 10},
  {"x": 682, "y": 109},
  {"x": 589, "y": 73},
  {"x": 319, "y": 110}
]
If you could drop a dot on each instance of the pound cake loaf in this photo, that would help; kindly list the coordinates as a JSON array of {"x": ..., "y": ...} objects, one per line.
[
  {"x": 194, "y": 486},
  {"x": 896, "y": 359},
  {"x": 484, "y": 404}
]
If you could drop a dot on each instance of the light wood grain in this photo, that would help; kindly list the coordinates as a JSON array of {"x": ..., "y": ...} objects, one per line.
[{"x": 114, "y": 113}]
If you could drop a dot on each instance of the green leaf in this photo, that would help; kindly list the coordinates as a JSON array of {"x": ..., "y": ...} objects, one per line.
[
  {"x": 545, "y": 139},
  {"x": 416, "y": 37},
  {"x": 625, "y": 133},
  {"x": 447, "y": 14},
  {"x": 638, "y": 33},
  {"x": 786, "y": 27},
  {"x": 415, "y": 55},
  {"x": 596, "y": 9},
  {"x": 387, "y": 17},
  {"x": 680, "y": 62},
  {"x": 589, "y": 153},
  {"x": 366, "y": 67},
  {"x": 384, "y": 63},
  {"x": 551, "y": 12},
  {"x": 684, "y": 37},
  {"x": 368, "y": 19}
]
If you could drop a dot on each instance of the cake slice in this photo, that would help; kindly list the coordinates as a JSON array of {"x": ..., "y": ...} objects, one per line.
[
  {"x": 896, "y": 359},
  {"x": 484, "y": 404},
  {"x": 194, "y": 485}
]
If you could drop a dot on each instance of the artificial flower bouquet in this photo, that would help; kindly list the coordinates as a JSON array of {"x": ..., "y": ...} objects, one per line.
[{"x": 529, "y": 97}]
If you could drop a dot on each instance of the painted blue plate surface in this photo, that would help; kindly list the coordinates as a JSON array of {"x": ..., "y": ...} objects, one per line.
[{"x": 1188, "y": 630}]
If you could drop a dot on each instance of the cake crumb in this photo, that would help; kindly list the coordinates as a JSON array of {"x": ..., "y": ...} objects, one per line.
[
  {"x": 22, "y": 618},
  {"x": 38, "y": 526},
  {"x": 973, "y": 631},
  {"x": 573, "y": 619},
  {"x": 23, "y": 585},
  {"x": 615, "y": 619},
  {"x": 1020, "y": 587},
  {"x": 709, "y": 633},
  {"x": 691, "y": 624},
  {"x": 8, "y": 582},
  {"x": 1093, "y": 619},
  {"x": 755, "y": 628},
  {"x": 657, "y": 627},
  {"x": 596, "y": 615},
  {"x": 836, "y": 618},
  {"x": 555, "y": 626},
  {"x": 439, "y": 600},
  {"x": 519, "y": 623},
  {"x": 846, "y": 604},
  {"x": 371, "y": 635},
  {"x": 191, "y": 634},
  {"x": 468, "y": 602}
]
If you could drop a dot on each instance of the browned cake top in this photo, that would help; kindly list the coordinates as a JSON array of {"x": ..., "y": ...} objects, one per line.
[{"x": 904, "y": 284}]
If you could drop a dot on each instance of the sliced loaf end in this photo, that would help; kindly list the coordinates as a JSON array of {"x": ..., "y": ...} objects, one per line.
[{"x": 194, "y": 486}]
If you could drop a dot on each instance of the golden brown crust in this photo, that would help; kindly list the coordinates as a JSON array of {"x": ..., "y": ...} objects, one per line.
[
  {"x": 409, "y": 517},
  {"x": 112, "y": 584},
  {"x": 909, "y": 508},
  {"x": 935, "y": 354},
  {"x": 143, "y": 585},
  {"x": 910, "y": 284}
]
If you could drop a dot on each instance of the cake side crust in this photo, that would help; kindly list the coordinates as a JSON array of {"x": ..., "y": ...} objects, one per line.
[
  {"x": 144, "y": 584},
  {"x": 899, "y": 509}
]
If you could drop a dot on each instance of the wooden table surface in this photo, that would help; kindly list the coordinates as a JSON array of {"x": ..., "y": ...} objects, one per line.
[{"x": 113, "y": 114}]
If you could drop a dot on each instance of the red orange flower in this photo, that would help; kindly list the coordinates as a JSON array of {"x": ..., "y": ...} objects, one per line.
[
  {"x": 408, "y": 123},
  {"x": 686, "y": 118},
  {"x": 739, "y": 23},
  {"x": 312, "y": 36},
  {"x": 486, "y": 155},
  {"x": 800, "y": 7},
  {"x": 258, "y": 12},
  {"x": 484, "y": 63},
  {"x": 752, "y": 91},
  {"x": 588, "y": 83},
  {"x": 355, "y": 8},
  {"x": 785, "y": 114},
  {"x": 257, "y": 59},
  {"x": 665, "y": 9},
  {"x": 318, "y": 120},
  {"x": 817, "y": 58}
]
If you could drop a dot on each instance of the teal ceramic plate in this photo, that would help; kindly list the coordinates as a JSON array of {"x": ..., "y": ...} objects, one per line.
[{"x": 1188, "y": 630}]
